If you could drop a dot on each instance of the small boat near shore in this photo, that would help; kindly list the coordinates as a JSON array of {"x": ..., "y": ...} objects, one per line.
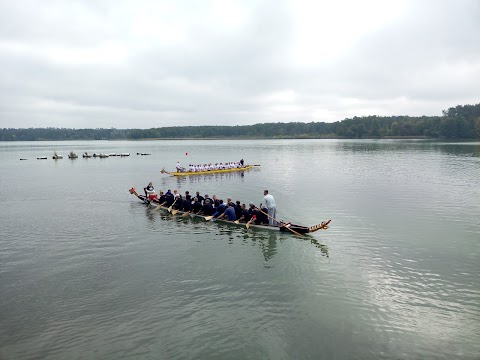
[
  {"x": 56, "y": 156},
  {"x": 284, "y": 227},
  {"x": 189, "y": 173},
  {"x": 101, "y": 155}
]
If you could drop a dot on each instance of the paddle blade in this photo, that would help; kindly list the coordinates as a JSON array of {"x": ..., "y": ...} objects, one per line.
[
  {"x": 174, "y": 212},
  {"x": 247, "y": 225},
  {"x": 207, "y": 218},
  {"x": 185, "y": 214},
  {"x": 158, "y": 207},
  {"x": 237, "y": 222},
  {"x": 293, "y": 231}
]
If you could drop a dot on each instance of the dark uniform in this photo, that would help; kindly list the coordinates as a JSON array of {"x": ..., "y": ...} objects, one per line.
[{"x": 196, "y": 206}]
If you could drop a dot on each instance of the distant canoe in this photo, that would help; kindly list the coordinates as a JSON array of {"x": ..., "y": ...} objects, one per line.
[
  {"x": 42, "y": 158},
  {"x": 56, "y": 156},
  {"x": 72, "y": 155}
]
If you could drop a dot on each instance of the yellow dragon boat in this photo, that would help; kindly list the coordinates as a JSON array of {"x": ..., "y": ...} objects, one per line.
[{"x": 188, "y": 173}]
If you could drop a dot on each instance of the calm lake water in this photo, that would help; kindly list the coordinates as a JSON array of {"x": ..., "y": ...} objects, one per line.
[{"x": 88, "y": 272}]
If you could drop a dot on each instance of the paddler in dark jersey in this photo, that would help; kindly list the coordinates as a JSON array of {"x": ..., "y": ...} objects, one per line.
[
  {"x": 196, "y": 206},
  {"x": 207, "y": 208}
]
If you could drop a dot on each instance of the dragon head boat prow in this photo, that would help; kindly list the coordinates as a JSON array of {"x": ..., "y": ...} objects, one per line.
[{"x": 322, "y": 226}]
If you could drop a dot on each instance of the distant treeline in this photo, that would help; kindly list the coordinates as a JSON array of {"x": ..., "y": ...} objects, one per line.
[{"x": 462, "y": 121}]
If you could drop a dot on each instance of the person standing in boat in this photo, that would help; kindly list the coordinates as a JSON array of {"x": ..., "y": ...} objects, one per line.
[{"x": 269, "y": 203}]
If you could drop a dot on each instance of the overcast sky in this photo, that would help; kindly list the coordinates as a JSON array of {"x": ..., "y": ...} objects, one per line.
[{"x": 143, "y": 64}]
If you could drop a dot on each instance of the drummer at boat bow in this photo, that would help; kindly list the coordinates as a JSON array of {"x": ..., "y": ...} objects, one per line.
[
  {"x": 149, "y": 191},
  {"x": 179, "y": 167},
  {"x": 269, "y": 203}
]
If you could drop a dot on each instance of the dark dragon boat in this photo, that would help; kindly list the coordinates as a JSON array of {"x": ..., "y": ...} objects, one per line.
[{"x": 282, "y": 226}]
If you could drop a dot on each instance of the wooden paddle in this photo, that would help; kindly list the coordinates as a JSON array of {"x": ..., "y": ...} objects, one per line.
[
  {"x": 170, "y": 207},
  {"x": 271, "y": 217},
  {"x": 293, "y": 231},
  {"x": 247, "y": 225},
  {"x": 207, "y": 218}
]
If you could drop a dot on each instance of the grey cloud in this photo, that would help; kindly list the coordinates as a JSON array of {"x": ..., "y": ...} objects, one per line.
[{"x": 424, "y": 62}]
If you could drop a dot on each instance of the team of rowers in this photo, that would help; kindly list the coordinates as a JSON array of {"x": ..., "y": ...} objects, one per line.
[
  {"x": 210, "y": 167},
  {"x": 217, "y": 208}
]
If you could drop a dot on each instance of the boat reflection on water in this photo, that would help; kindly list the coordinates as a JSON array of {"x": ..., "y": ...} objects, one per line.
[
  {"x": 322, "y": 247},
  {"x": 266, "y": 241},
  {"x": 208, "y": 178},
  {"x": 183, "y": 181}
]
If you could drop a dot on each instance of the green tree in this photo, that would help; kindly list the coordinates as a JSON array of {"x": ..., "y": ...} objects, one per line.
[
  {"x": 395, "y": 129},
  {"x": 449, "y": 127},
  {"x": 477, "y": 127}
]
